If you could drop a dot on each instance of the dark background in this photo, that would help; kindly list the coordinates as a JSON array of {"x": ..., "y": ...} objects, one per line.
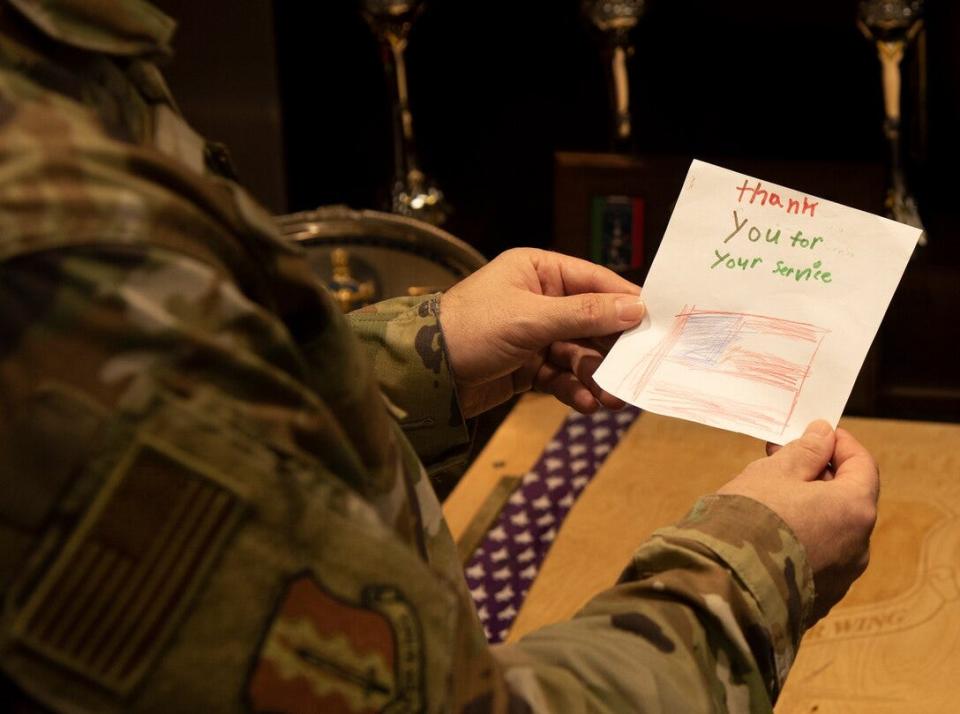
[
  {"x": 497, "y": 87},
  {"x": 297, "y": 90}
]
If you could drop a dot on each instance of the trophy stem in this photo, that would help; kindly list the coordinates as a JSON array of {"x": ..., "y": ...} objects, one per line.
[
  {"x": 411, "y": 193},
  {"x": 398, "y": 46},
  {"x": 891, "y": 26},
  {"x": 408, "y": 178},
  {"x": 901, "y": 205},
  {"x": 621, "y": 96},
  {"x": 891, "y": 55},
  {"x": 614, "y": 20}
]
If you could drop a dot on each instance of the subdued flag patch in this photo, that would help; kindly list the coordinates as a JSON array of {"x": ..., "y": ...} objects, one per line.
[
  {"x": 321, "y": 654},
  {"x": 125, "y": 576}
]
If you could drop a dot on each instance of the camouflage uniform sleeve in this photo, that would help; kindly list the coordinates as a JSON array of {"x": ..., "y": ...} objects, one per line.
[
  {"x": 707, "y": 617},
  {"x": 404, "y": 343}
]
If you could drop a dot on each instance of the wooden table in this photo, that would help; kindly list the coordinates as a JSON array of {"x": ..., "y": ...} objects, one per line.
[{"x": 892, "y": 645}]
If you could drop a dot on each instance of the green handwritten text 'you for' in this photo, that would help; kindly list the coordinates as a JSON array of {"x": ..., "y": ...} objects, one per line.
[{"x": 801, "y": 272}]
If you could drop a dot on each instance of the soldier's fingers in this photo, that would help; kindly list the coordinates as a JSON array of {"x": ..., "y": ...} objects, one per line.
[
  {"x": 582, "y": 316},
  {"x": 565, "y": 387},
  {"x": 855, "y": 465},
  {"x": 581, "y": 359},
  {"x": 826, "y": 474},
  {"x": 605, "y": 343},
  {"x": 575, "y": 275},
  {"x": 611, "y": 402},
  {"x": 806, "y": 458},
  {"x": 771, "y": 449},
  {"x": 524, "y": 378}
]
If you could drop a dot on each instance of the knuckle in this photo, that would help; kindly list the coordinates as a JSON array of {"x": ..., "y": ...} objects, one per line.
[
  {"x": 861, "y": 564},
  {"x": 755, "y": 468},
  {"x": 591, "y": 308},
  {"x": 598, "y": 272},
  {"x": 585, "y": 370},
  {"x": 520, "y": 323},
  {"x": 804, "y": 452},
  {"x": 809, "y": 449},
  {"x": 865, "y": 515}
]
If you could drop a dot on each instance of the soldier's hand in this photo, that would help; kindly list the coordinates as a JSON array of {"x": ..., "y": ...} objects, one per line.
[
  {"x": 535, "y": 319},
  {"x": 825, "y": 487}
]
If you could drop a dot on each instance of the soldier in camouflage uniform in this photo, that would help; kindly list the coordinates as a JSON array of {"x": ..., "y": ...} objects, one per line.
[{"x": 209, "y": 501}]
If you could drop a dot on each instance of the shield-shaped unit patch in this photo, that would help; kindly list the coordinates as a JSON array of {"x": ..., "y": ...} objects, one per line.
[{"x": 322, "y": 654}]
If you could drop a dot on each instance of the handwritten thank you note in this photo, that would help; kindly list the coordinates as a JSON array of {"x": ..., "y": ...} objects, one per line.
[{"x": 762, "y": 303}]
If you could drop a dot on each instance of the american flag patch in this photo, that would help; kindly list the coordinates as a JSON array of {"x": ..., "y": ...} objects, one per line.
[{"x": 125, "y": 576}]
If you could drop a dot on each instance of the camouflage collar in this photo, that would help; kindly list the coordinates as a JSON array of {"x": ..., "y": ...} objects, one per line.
[{"x": 115, "y": 27}]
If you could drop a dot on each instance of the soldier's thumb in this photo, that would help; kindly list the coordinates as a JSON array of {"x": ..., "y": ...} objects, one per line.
[
  {"x": 806, "y": 458},
  {"x": 588, "y": 315}
]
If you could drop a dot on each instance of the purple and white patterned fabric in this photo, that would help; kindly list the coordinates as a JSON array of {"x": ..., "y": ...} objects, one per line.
[{"x": 503, "y": 567}]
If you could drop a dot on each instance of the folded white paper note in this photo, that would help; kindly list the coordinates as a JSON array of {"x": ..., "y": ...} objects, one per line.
[{"x": 761, "y": 305}]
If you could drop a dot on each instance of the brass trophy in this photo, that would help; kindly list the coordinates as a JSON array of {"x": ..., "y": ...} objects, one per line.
[
  {"x": 412, "y": 193},
  {"x": 349, "y": 291},
  {"x": 892, "y": 25},
  {"x": 615, "y": 19}
]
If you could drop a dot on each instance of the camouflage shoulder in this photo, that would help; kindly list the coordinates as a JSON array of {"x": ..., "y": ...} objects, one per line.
[{"x": 120, "y": 27}]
